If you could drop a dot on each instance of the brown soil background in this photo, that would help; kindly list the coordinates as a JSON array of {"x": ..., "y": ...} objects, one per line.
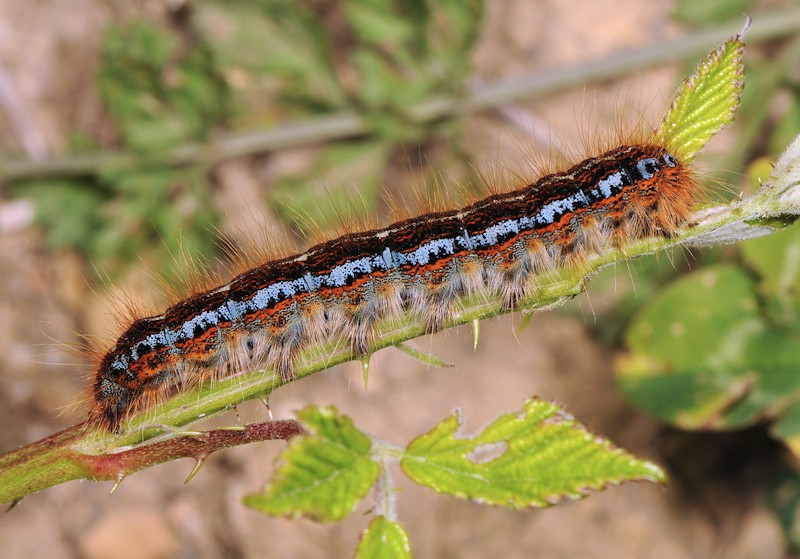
[{"x": 713, "y": 506}]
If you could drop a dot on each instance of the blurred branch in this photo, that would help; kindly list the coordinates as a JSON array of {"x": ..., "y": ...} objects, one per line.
[{"x": 349, "y": 124}]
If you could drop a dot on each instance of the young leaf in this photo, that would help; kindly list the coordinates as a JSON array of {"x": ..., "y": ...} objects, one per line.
[
  {"x": 533, "y": 458},
  {"x": 384, "y": 539},
  {"x": 706, "y": 100},
  {"x": 324, "y": 473}
]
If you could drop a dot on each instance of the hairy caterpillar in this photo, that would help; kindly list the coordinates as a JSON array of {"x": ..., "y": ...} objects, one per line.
[{"x": 343, "y": 287}]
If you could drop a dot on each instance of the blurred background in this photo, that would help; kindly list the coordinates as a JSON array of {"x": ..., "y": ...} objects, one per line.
[{"x": 132, "y": 132}]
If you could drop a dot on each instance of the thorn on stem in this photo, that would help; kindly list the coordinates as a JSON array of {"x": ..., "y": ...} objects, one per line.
[
  {"x": 526, "y": 318},
  {"x": 426, "y": 358},
  {"x": 194, "y": 434},
  {"x": 181, "y": 432},
  {"x": 13, "y": 504},
  {"x": 237, "y": 428},
  {"x": 365, "y": 368},
  {"x": 199, "y": 461},
  {"x": 120, "y": 476}
]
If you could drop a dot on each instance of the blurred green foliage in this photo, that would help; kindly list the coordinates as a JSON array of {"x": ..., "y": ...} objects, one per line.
[
  {"x": 162, "y": 89},
  {"x": 719, "y": 347},
  {"x": 704, "y": 353},
  {"x": 710, "y": 12}
]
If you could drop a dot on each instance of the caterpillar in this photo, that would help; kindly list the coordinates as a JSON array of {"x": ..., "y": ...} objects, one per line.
[{"x": 265, "y": 316}]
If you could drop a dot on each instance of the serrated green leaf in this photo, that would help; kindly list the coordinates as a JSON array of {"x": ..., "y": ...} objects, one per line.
[
  {"x": 384, "y": 539},
  {"x": 533, "y": 458},
  {"x": 705, "y": 101},
  {"x": 324, "y": 473}
]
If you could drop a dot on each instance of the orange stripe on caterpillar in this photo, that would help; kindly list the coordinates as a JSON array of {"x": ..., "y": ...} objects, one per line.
[{"x": 343, "y": 287}]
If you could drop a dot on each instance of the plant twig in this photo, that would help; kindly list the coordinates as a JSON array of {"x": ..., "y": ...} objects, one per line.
[
  {"x": 59, "y": 458},
  {"x": 88, "y": 452}
]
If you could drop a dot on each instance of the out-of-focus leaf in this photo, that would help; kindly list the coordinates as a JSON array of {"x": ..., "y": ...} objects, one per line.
[
  {"x": 786, "y": 126},
  {"x": 157, "y": 212},
  {"x": 279, "y": 41},
  {"x": 67, "y": 210},
  {"x": 776, "y": 260},
  {"x": 454, "y": 28},
  {"x": 161, "y": 92},
  {"x": 757, "y": 172},
  {"x": 389, "y": 24},
  {"x": 787, "y": 428},
  {"x": 382, "y": 86},
  {"x": 619, "y": 292},
  {"x": 702, "y": 355}
]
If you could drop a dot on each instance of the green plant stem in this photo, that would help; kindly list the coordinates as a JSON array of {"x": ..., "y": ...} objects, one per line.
[
  {"x": 349, "y": 124},
  {"x": 88, "y": 452}
]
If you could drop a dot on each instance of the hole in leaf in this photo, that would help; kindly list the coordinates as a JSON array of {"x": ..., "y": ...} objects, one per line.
[{"x": 485, "y": 453}]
